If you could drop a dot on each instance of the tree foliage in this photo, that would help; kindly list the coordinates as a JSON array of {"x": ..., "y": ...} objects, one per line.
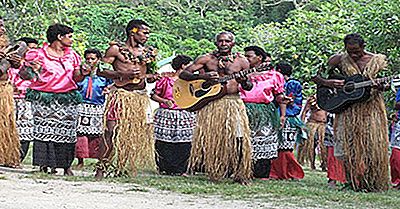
[{"x": 315, "y": 32}]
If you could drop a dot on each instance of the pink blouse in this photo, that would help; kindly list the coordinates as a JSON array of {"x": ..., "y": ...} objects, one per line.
[
  {"x": 57, "y": 72},
  {"x": 18, "y": 82},
  {"x": 265, "y": 86},
  {"x": 164, "y": 89}
]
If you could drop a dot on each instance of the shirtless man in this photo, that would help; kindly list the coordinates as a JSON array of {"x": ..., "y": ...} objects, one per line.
[
  {"x": 128, "y": 101},
  {"x": 316, "y": 125},
  {"x": 221, "y": 142}
]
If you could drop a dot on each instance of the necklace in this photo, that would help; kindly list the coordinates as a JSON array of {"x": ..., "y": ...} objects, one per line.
[{"x": 223, "y": 59}]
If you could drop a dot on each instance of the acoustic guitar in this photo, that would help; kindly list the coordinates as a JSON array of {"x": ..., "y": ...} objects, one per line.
[
  {"x": 194, "y": 95},
  {"x": 356, "y": 89}
]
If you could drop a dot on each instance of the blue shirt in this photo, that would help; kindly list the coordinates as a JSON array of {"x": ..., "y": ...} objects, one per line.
[
  {"x": 293, "y": 88},
  {"x": 98, "y": 85}
]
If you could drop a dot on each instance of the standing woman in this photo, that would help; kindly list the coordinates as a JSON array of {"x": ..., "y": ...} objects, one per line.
[
  {"x": 264, "y": 118},
  {"x": 173, "y": 127},
  {"x": 54, "y": 98}
]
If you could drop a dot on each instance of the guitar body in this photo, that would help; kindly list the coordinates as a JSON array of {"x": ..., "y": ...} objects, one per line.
[
  {"x": 338, "y": 100},
  {"x": 192, "y": 96}
]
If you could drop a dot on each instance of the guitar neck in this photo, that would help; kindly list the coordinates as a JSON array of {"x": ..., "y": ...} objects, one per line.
[
  {"x": 240, "y": 74},
  {"x": 374, "y": 81}
]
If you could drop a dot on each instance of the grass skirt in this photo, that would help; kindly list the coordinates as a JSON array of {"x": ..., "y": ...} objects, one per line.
[
  {"x": 307, "y": 149},
  {"x": 133, "y": 137},
  {"x": 363, "y": 133},
  {"x": 221, "y": 141},
  {"x": 9, "y": 140}
]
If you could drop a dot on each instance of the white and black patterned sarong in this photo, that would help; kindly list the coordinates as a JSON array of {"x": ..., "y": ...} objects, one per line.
[
  {"x": 90, "y": 121},
  {"x": 174, "y": 125},
  {"x": 264, "y": 125},
  {"x": 54, "y": 122},
  {"x": 24, "y": 119}
]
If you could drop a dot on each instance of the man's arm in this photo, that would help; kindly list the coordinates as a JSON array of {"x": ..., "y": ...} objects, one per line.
[
  {"x": 333, "y": 62},
  {"x": 306, "y": 109},
  {"x": 246, "y": 84},
  {"x": 199, "y": 63},
  {"x": 109, "y": 58}
]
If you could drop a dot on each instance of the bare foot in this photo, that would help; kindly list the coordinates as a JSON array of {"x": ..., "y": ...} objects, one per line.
[
  {"x": 79, "y": 166},
  {"x": 43, "y": 169},
  {"x": 312, "y": 167},
  {"x": 68, "y": 172},
  {"x": 184, "y": 175},
  {"x": 263, "y": 179},
  {"x": 332, "y": 184},
  {"x": 99, "y": 174},
  {"x": 53, "y": 171},
  {"x": 243, "y": 182}
]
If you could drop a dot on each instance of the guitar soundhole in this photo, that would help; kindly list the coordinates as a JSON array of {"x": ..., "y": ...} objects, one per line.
[
  {"x": 205, "y": 85},
  {"x": 348, "y": 88},
  {"x": 201, "y": 93}
]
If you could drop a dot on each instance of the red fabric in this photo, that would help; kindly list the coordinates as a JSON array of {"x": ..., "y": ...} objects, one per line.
[
  {"x": 335, "y": 167},
  {"x": 89, "y": 91},
  {"x": 112, "y": 114},
  {"x": 286, "y": 167},
  {"x": 87, "y": 148},
  {"x": 395, "y": 166}
]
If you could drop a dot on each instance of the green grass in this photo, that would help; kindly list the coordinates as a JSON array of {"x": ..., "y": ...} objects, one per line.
[{"x": 312, "y": 191}]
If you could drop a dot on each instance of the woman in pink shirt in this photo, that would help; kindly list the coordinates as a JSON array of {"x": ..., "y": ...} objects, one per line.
[
  {"x": 264, "y": 119},
  {"x": 54, "y": 70},
  {"x": 173, "y": 127}
]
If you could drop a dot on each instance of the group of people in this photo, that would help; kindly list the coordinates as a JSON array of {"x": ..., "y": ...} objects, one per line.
[{"x": 98, "y": 109}]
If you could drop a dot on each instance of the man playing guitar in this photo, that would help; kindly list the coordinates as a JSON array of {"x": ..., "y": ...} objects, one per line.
[
  {"x": 222, "y": 122},
  {"x": 361, "y": 130}
]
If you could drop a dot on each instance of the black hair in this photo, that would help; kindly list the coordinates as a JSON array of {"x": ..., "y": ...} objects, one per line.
[
  {"x": 354, "y": 38},
  {"x": 93, "y": 51},
  {"x": 28, "y": 40},
  {"x": 57, "y": 29},
  {"x": 180, "y": 60},
  {"x": 284, "y": 68},
  {"x": 134, "y": 24},
  {"x": 258, "y": 51}
]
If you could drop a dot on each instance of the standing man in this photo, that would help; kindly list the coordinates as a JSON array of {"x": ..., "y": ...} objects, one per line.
[
  {"x": 221, "y": 141},
  {"x": 361, "y": 129},
  {"x": 316, "y": 125},
  {"x": 54, "y": 70},
  {"x": 126, "y": 126},
  {"x": 9, "y": 142}
]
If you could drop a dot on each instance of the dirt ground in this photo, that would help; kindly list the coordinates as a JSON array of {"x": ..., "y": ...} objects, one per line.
[{"x": 18, "y": 190}]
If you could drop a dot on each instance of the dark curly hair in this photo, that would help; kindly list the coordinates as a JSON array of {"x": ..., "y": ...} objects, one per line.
[
  {"x": 57, "y": 29},
  {"x": 180, "y": 60}
]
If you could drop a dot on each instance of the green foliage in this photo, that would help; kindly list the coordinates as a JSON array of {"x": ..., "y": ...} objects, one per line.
[
  {"x": 178, "y": 26},
  {"x": 314, "y": 33}
]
